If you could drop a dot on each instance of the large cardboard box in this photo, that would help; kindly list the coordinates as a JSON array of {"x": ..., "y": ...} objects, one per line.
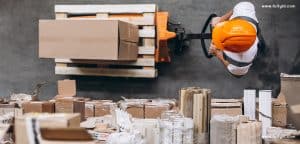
[
  {"x": 70, "y": 105},
  {"x": 88, "y": 39},
  {"x": 229, "y": 107},
  {"x": 38, "y": 106},
  {"x": 27, "y": 121},
  {"x": 290, "y": 88}
]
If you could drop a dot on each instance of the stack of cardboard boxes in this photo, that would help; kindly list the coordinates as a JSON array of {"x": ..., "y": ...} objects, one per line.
[
  {"x": 64, "y": 113},
  {"x": 231, "y": 107}
]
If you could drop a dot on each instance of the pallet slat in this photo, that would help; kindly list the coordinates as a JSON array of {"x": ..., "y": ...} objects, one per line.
[
  {"x": 139, "y": 62},
  {"x": 148, "y": 19},
  {"x": 88, "y": 9},
  {"x": 150, "y": 33},
  {"x": 61, "y": 16},
  {"x": 138, "y": 73}
]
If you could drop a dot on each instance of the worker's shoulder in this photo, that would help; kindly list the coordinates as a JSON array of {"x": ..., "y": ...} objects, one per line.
[
  {"x": 244, "y": 9},
  {"x": 244, "y": 5}
]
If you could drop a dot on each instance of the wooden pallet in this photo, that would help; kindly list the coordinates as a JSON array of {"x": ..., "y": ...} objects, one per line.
[{"x": 142, "y": 15}]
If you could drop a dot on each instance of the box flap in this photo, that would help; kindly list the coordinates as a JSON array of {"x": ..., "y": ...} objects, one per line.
[{"x": 128, "y": 32}]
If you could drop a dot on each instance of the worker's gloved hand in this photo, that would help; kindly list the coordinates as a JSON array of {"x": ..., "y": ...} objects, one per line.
[
  {"x": 214, "y": 51},
  {"x": 215, "y": 21}
]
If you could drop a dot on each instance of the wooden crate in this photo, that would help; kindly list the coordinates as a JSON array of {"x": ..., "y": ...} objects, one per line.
[{"x": 142, "y": 15}]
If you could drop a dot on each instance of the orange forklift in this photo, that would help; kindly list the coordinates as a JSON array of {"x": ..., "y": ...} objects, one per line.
[{"x": 178, "y": 33}]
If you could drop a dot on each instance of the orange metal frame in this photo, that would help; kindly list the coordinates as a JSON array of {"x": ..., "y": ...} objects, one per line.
[{"x": 162, "y": 52}]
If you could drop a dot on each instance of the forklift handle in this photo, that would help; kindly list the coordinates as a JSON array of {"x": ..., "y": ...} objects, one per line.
[{"x": 208, "y": 22}]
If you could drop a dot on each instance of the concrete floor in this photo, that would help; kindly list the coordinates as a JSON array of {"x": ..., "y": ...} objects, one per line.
[{"x": 21, "y": 68}]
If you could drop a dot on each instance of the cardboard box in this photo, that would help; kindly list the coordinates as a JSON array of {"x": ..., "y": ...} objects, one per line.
[
  {"x": 102, "y": 109},
  {"x": 61, "y": 135},
  {"x": 8, "y": 105},
  {"x": 249, "y": 133},
  {"x": 290, "y": 88},
  {"x": 10, "y": 108},
  {"x": 154, "y": 110},
  {"x": 70, "y": 105},
  {"x": 38, "y": 106},
  {"x": 137, "y": 111},
  {"x": 26, "y": 121},
  {"x": 88, "y": 39},
  {"x": 227, "y": 107},
  {"x": 66, "y": 88},
  {"x": 223, "y": 129},
  {"x": 89, "y": 109},
  {"x": 7, "y": 108},
  {"x": 135, "y": 108},
  {"x": 279, "y": 112}
]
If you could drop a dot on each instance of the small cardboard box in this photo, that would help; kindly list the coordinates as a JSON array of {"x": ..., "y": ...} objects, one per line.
[
  {"x": 229, "y": 107},
  {"x": 137, "y": 111},
  {"x": 66, "y": 88},
  {"x": 249, "y": 133},
  {"x": 88, "y": 39},
  {"x": 223, "y": 129},
  {"x": 7, "y": 108},
  {"x": 279, "y": 112},
  {"x": 154, "y": 110},
  {"x": 25, "y": 122},
  {"x": 135, "y": 107},
  {"x": 102, "y": 109},
  {"x": 38, "y": 106},
  {"x": 8, "y": 112},
  {"x": 290, "y": 88},
  {"x": 70, "y": 105}
]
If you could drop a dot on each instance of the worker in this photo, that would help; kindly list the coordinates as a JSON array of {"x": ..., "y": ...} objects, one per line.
[{"x": 236, "y": 38}]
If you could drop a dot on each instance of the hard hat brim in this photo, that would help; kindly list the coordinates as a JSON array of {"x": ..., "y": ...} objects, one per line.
[{"x": 238, "y": 57}]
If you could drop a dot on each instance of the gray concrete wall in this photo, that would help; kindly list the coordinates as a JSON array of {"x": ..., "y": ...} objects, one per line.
[{"x": 21, "y": 69}]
